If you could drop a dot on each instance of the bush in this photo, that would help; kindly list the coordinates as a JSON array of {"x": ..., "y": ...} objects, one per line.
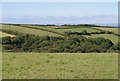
[{"x": 73, "y": 43}]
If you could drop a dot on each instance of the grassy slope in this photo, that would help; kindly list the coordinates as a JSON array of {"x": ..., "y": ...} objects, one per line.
[
  {"x": 78, "y": 29},
  {"x": 42, "y": 32},
  {"x": 28, "y": 30},
  {"x": 115, "y": 30},
  {"x": 3, "y": 34},
  {"x": 112, "y": 37},
  {"x": 45, "y": 66}
]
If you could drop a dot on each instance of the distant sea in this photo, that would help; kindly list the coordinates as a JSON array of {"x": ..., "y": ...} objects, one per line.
[{"x": 112, "y": 25}]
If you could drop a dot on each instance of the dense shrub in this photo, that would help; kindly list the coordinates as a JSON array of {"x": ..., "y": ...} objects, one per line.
[
  {"x": 84, "y": 32},
  {"x": 71, "y": 44}
]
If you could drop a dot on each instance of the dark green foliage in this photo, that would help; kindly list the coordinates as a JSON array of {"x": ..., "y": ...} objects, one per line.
[
  {"x": 6, "y": 40},
  {"x": 116, "y": 47},
  {"x": 84, "y": 32},
  {"x": 71, "y": 44}
]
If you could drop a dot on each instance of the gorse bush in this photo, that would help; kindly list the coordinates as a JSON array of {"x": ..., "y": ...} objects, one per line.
[{"x": 70, "y": 44}]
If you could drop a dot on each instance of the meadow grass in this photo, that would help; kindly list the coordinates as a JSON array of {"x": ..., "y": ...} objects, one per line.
[
  {"x": 60, "y": 65},
  {"x": 115, "y": 30},
  {"x": 112, "y": 37},
  {"x": 62, "y": 30},
  {"x": 76, "y": 30},
  {"x": 28, "y": 30}
]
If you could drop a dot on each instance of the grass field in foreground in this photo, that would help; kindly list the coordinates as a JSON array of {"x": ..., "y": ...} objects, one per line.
[
  {"x": 63, "y": 66},
  {"x": 112, "y": 37}
]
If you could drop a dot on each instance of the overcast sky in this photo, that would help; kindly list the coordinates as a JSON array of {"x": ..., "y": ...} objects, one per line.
[{"x": 60, "y": 12}]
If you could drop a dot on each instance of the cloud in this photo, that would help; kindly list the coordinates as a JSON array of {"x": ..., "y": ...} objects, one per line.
[{"x": 99, "y": 19}]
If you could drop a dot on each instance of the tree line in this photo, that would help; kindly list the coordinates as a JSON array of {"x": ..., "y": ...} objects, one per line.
[
  {"x": 70, "y": 44},
  {"x": 72, "y": 25},
  {"x": 84, "y": 32}
]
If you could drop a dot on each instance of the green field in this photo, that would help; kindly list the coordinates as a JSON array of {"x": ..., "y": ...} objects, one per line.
[
  {"x": 28, "y": 30},
  {"x": 112, "y": 37},
  {"x": 115, "y": 30},
  {"x": 62, "y": 66},
  {"x": 75, "y": 30},
  {"x": 53, "y": 31},
  {"x": 31, "y": 65},
  {"x": 62, "y": 30},
  {"x": 42, "y": 31}
]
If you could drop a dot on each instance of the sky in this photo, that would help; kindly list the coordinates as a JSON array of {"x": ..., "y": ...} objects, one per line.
[
  {"x": 60, "y": 0},
  {"x": 60, "y": 12}
]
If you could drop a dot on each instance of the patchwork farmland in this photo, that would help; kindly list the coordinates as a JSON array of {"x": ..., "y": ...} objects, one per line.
[{"x": 65, "y": 51}]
